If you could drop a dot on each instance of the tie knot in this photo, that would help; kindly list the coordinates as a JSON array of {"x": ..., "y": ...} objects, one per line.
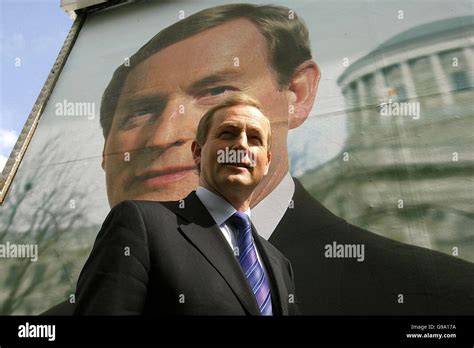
[{"x": 239, "y": 220}]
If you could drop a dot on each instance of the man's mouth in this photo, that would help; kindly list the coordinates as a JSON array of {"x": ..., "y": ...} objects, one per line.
[
  {"x": 161, "y": 177},
  {"x": 247, "y": 166}
]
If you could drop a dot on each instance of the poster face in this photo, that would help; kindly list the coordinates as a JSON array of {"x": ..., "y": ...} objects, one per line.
[{"x": 370, "y": 107}]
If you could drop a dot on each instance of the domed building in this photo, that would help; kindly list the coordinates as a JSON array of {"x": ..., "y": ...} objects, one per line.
[{"x": 407, "y": 169}]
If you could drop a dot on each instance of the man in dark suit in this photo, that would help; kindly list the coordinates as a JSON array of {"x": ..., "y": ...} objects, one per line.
[{"x": 201, "y": 255}]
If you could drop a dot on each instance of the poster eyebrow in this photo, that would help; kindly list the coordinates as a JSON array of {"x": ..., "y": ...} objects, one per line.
[
  {"x": 220, "y": 76},
  {"x": 143, "y": 101}
]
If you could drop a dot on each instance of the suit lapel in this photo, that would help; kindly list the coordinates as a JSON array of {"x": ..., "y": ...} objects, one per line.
[
  {"x": 205, "y": 235},
  {"x": 277, "y": 284}
]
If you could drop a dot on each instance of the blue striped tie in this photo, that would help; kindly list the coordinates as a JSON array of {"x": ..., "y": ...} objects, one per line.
[{"x": 249, "y": 262}]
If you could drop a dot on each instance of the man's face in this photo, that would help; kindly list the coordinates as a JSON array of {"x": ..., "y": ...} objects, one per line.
[
  {"x": 235, "y": 155},
  {"x": 147, "y": 154}
]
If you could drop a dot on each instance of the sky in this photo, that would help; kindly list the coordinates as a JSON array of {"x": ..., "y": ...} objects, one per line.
[{"x": 31, "y": 35}]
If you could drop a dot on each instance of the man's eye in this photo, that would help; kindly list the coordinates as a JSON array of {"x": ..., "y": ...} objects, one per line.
[{"x": 256, "y": 139}]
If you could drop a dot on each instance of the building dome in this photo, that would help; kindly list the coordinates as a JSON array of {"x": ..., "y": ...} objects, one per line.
[{"x": 423, "y": 34}]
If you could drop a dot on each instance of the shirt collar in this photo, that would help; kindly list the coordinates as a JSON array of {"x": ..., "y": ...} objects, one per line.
[{"x": 218, "y": 207}]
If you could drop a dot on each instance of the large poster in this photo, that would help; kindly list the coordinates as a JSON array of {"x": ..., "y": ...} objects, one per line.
[{"x": 370, "y": 106}]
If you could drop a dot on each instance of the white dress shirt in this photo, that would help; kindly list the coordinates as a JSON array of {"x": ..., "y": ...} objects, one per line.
[{"x": 221, "y": 210}]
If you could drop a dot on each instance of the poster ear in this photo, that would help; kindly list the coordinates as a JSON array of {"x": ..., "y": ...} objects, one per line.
[
  {"x": 102, "y": 163},
  {"x": 302, "y": 88}
]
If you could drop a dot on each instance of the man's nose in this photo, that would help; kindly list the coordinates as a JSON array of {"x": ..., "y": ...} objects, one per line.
[
  {"x": 241, "y": 142},
  {"x": 171, "y": 128}
]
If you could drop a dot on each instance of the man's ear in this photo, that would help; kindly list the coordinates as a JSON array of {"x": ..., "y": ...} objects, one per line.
[
  {"x": 302, "y": 91},
  {"x": 269, "y": 161},
  {"x": 196, "y": 150}
]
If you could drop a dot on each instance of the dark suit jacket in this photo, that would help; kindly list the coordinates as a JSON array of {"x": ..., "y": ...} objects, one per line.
[
  {"x": 157, "y": 258},
  {"x": 431, "y": 282}
]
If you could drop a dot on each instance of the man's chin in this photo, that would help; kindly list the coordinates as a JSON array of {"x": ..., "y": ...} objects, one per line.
[{"x": 238, "y": 180}]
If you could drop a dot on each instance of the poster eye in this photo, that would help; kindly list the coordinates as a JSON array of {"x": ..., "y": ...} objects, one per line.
[
  {"x": 218, "y": 90},
  {"x": 140, "y": 113}
]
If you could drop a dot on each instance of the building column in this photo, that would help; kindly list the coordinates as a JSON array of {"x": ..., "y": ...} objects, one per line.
[
  {"x": 380, "y": 86},
  {"x": 469, "y": 56},
  {"x": 355, "y": 104},
  {"x": 362, "y": 92},
  {"x": 363, "y": 123},
  {"x": 408, "y": 80},
  {"x": 444, "y": 85},
  {"x": 354, "y": 96}
]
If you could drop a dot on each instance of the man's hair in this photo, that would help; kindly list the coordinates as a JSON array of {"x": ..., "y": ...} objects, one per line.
[
  {"x": 240, "y": 99},
  {"x": 285, "y": 33}
]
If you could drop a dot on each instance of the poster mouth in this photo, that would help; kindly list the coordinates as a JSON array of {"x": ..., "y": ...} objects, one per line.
[{"x": 165, "y": 176}]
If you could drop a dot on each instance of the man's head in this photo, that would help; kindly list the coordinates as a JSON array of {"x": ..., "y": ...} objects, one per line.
[
  {"x": 232, "y": 147},
  {"x": 151, "y": 107}
]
